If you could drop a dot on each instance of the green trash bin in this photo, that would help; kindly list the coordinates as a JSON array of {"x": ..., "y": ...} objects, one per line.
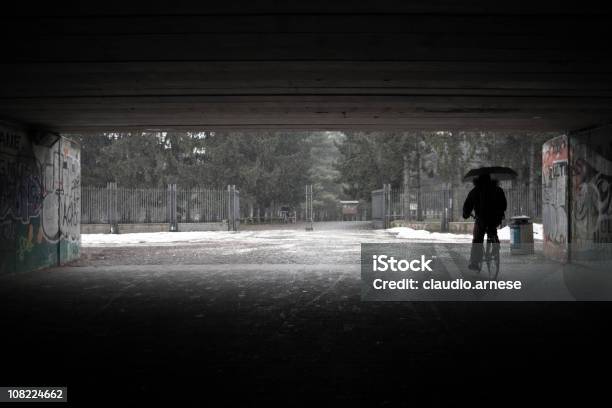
[{"x": 521, "y": 235}]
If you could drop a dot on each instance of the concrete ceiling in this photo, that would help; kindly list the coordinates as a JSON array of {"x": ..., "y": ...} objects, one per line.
[{"x": 371, "y": 65}]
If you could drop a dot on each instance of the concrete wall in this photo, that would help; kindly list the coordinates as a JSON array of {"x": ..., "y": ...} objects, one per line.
[
  {"x": 95, "y": 228},
  {"x": 153, "y": 227},
  {"x": 125, "y": 228},
  {"x": 455, "y": 227},
  {"x": 577, "y": 194},
  {"x": 433, "y": 226},
  {"x": 202, "y": 226},
  {"x": 134, "y": 228},
  {"x": 591, "y": 188},
  {"x": 40, "y": 206},
  {"x": 555, "y": 154}
]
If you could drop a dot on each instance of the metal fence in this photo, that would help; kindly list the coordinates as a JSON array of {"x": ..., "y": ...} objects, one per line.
[
  {"x": 379, "y": 207},
  {"x": 95, "y": 208},
  {"x": 390, "y": 204},
  {"x": 202, "y": 205},
  {"x": 120, "y": 205}
]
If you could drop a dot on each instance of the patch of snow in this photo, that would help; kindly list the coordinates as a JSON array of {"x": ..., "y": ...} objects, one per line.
[
  {"x": 422, "y": 235},
  {"x": 538, "y": 233},
  {"x": 156, "y": 238}
]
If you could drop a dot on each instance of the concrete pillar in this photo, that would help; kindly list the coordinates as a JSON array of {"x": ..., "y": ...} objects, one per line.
[
  {"x": 577, "y": 209},
  {"x": 40, "y": 199},
  {"x": 590, "y": 187},
  {"x": 577, "y": 194},
  {"x": 555, "y": 197}
]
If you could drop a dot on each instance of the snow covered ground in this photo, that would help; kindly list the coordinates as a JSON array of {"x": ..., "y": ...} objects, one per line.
[
  {"x": 155, "y": 238},
  {"x": 422, "y": 235},
  {"x": 291, "y": 237},
  {"x": 236, "y": 240}
]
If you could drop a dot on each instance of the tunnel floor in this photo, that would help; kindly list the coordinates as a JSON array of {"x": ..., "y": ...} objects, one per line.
[{"x": 276, "y": 316}]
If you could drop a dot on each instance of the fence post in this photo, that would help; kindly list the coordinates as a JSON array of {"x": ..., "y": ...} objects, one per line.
[
  {"x": 230, "y": 212},
  {"x": 419, "y": 213},
  {"x": 232, "y": 206},
  {"x": 172, "y": 207},
  {"x": 229, "y": 207},
  {"x": 112, "y": 207},
  {"x": 391, "y": 206},
  {"x": 386, "y": 205},
  {"x": 309, "y": 215},
  {"x": 187, "y": 195},
  {"x": 236, "y": 211},
  {"x": 383, "y": 206},
  {"x": 451, "y": 204},
  {"x": 444, "y": 226}
]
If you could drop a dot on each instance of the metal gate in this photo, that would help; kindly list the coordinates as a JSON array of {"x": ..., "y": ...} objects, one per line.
[
  {"x": 389, "y": 204},
  {"x": 380, "y": 204},
  {"x": 114, "y": 205},
  {"x": 443, "y": 205}
]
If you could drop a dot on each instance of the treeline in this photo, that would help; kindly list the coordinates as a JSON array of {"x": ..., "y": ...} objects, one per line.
[
  {"x": 434, "y": 160},
  {"x": 272, "y": 168}
]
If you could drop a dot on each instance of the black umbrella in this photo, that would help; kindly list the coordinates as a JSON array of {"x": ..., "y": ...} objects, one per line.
[{"x": 496, "y": 172}]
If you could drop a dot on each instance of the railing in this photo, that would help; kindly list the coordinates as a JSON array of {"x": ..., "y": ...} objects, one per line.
[
  {"x": 202, "y": 205},
  {"x": 120, "y": 205},
  {"x": 390, "y": 204}
]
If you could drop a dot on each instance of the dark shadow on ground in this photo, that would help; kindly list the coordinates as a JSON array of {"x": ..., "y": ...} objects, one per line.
[{"x": 286, "y": 334}]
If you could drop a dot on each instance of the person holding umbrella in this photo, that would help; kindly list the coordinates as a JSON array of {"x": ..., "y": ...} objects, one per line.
[{"x": 488, "y": 202}]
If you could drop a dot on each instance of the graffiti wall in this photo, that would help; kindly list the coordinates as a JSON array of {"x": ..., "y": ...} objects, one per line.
[
  {"x": 591, "y": 184},
  {"x": 39, "y": 202},
  {"x": 555, "y": 200},
  {"x": 70, "y": 201}
]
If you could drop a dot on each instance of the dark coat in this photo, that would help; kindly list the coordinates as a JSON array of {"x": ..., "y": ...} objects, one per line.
[{"x": 488, "y": 202}]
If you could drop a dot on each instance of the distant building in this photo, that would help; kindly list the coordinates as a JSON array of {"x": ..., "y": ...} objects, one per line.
[{"x": 350, "y": 210}]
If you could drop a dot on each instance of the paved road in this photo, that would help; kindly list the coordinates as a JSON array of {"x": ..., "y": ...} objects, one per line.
[
  {"x": 329, "y": 243},
  {"x": 281, "y": 320}
]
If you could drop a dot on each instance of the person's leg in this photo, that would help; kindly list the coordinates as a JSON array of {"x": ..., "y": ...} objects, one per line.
[
  {"x": 492, "y": 233},
  {"x": 494, "y": 239},
  {"x": 477, "y": 240}
]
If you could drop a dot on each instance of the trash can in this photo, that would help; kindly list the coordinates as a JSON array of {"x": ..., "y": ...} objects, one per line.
[{"x": 521, "y": 235}]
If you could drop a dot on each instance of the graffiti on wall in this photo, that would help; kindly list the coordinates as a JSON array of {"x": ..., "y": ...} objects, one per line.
[
  {"x": 39, "y": 201},
  {"x": 554, "y": 196},
  {"x": 70, "y": 201},
  {"x": 591, "y": 172},
  {"x": 48, "y": 159},
  {"x": 21, "y": 185},
  {"x": 28, "y": 188}
]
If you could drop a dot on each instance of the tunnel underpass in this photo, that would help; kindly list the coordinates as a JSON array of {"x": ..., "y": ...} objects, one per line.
[{"x": 277, "y": 316}]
